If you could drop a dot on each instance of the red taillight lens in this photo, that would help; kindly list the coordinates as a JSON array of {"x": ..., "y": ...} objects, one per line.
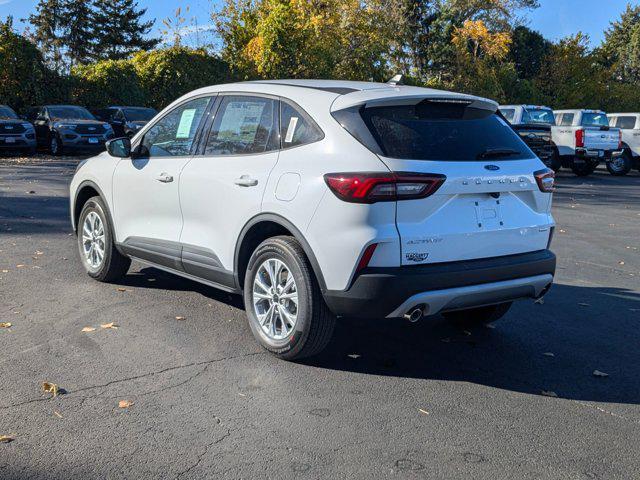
[
  {"x": 580, "y": 138},
  {"x": 546, "y": 180},
  {"x": 383, "y": 187},
  {"x": 366, "y": 257}
]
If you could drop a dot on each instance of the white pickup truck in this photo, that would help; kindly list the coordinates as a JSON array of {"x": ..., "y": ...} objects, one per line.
[
  {"x": 629, "y": 125},
  {"x": 584, "y": 138}
]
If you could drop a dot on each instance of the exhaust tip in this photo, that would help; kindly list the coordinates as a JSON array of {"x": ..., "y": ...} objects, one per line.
[{"x": 414, "y": 315}]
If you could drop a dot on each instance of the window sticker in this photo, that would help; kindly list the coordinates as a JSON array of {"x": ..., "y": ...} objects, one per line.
[
  {"x": 241, "y": 122},
  {"x": 293, "y": 123},
  {"x": 186, "y": 121}
]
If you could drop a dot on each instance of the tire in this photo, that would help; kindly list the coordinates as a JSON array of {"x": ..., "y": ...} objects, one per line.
[
  {"x": 555, "y": 163},
  {"x": 113, "y": 265},
  {"x": 55, "y": 145},
  {"x": 311, "y": 329},
  {"x": 583, "y": 169},
  {"x": 620, "y": 166},
  {"x": 479, "y": 316}
]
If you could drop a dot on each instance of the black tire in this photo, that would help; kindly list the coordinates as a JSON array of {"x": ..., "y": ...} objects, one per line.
[
  {"x": 555, "y": 163},
  {"x": 620, "y": 166},
  {"x": 583, "y": 169},
  {"x": 114, "y": 265},
  {"x": 479, "y": 316},
  {"x": 314, "y": 324},
  {"x": 55, "y": 145}
]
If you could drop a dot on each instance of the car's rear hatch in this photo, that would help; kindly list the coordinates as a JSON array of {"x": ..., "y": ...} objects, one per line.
[
  {"x": 489, "y": 205},
  {"x": 601, "y": 138}
]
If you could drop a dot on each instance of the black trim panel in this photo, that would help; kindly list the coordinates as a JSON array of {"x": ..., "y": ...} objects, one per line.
[{"x": 377, "y": 292}]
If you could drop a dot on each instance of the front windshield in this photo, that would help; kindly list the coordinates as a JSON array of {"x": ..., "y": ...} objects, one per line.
[
  {"x": 7, "y": 113},
  {"x": 595, "y": 120},
  {"x": 139, "y": 114},
  {"x": 70, "y": 113},
  {"x": 538, "y": 115}
]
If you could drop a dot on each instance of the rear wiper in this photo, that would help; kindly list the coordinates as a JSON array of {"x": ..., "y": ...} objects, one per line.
[{"x": 497, "y": 153}]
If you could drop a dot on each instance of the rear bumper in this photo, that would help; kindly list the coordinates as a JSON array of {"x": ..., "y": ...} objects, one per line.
[
  {"x": 585, "y": 153},
  {"x": 391, "y": 292}
]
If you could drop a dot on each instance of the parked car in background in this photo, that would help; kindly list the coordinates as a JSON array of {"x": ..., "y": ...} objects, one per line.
[
  {"x": 584, "y": 139},
  {"x": 317, "y": 199},
  {"x": 69, "y": 127},
  {"x": 533, "y": 124},
  {"x": 629, "y": 125},
  {"x": 126, "y": 121},
  {"x": 16, "y": 134}
]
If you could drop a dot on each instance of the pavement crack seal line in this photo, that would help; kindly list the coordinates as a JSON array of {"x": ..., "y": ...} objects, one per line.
[
  {"x": 602, "y": 410},
  {"x": 204, "y": 452},
  {"x": 70, "y": 393}
]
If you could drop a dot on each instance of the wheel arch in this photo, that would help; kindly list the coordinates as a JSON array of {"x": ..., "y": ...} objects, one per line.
[
  {"x": 84, "y": 192},
  {"x": 262, "y": 227}
]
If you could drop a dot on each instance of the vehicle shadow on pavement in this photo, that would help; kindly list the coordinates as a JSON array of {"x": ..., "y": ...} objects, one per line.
[
  {"x": 33, "y": 214},
  {"x": 555, "y": 347}
]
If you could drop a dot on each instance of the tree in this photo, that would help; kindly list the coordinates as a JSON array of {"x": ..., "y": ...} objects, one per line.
[
  {"x": 46, "y": 33},
  {"x": 76, "y": 23},
  {"x": 119, "y": 30},
  {"x": 108, "y": 82},
  {"x": 619, "y": 50},
  {"x": 528, "y": 50}
]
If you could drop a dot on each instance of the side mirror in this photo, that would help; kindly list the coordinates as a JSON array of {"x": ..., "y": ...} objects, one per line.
[{"x": 119, "y": 147}]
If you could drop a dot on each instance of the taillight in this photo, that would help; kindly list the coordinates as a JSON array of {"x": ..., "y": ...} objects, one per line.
[
  {"x": 580, "y": 138},
  {"x": 383, "y": 187},
  {"x": 546, "y": 180}
]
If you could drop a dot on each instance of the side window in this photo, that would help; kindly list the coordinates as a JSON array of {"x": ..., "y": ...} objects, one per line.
[
  {"x": 626, "y": 123},
  {"x": 509, "y": 114},
  {"x": 173, "y": 135},
  {"x": 244, "y": 125},
  {"x": 567, "y": 119},
  {"x": 296, "y": 127},
  {"x": 117, "y": 115}
]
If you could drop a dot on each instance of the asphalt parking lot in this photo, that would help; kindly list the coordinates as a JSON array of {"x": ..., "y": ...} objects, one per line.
[{"x": 388, "y": 399}]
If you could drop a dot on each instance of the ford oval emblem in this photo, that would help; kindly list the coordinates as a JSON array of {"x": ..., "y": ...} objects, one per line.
[{"x": 492, "y": 168}]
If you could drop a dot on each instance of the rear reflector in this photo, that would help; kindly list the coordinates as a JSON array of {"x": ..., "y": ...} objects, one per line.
[
  {"x": 368, "y": 187},
  {"x": 546, "y": 180},
  {"x": 366, "y": 257}
]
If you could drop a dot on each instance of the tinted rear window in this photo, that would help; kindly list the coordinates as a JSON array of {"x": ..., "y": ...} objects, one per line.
[
  {"x": 595, "y": 120},
  {"x": 626, "y": 123},
  {"x": 442, "y": 131}
]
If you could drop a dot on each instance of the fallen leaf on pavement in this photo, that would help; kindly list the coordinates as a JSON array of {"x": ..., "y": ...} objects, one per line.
[
  {"x": 467, "y": 333},
  {"x": 5, "y": 271},
  {"x": 180, "y": 318},
  {"x": 354, "y": 355},
  {"x": 6, "y": 439},
  {"x": 620, "y": 263},
  {"x": 38, "y": 252},
  {"x": 584, "y": 304},
  {"x": 423, "y": 411},
  {"x": 122, "y": 289},
  {"x": 549, "y": 354},
  {"x": 57, "y": 414},
  {"x": 111, "y": 326},
  {"x": 52, "y": 388},
  {"x": 563, "y": 231},
  {"x": 5, "y": 325},
  {"x": 598, "y": 373},
  {"x": 124, "y": 403},
  {"x": 549, "y": 394},
  {"x": 88, "y": 329},
  {"x": 20, "y": 266},
  {"x": 445, "y": 340}
]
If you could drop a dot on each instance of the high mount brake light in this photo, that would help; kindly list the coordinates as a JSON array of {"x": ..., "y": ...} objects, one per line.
[
  {"x": 580, "y": 138},
  {"x": 546, "y": 180},
  {"x": 369, "y": 187}
]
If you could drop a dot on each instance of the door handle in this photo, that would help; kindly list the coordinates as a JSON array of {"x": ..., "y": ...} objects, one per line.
[
  {"x": 246, "y": 181},
  {"x": 164, "y": 178}
]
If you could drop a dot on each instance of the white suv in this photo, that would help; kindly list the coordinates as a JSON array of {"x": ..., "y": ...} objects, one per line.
[{"x": 321, "y": 199}]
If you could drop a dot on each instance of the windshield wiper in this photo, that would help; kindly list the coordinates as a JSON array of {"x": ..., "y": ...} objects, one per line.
[{"x": 497, "y": 153}]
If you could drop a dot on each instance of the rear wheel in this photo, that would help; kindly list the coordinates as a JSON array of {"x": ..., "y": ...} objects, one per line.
[
  {"x": 286, "y": 311},
  {"x": 480, "y": 315},
  {"x": 98, "y": 253},
  {"x": 620, "y": 166},
  {"x": 55, "y": 144},
  {"x": 555, "y": 163},
  {"x": 584, "y": 168}
]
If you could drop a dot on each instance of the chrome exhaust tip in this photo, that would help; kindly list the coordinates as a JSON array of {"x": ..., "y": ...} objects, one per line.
[{"x": 414, "y": 315}]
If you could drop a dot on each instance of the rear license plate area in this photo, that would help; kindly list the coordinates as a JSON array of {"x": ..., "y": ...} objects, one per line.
[{"x": 488, "y": 213}]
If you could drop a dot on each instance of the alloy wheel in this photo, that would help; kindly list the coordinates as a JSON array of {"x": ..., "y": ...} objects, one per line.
[
  {"x": 275, "y": 299},
  {"x": 93, "y": 240}
]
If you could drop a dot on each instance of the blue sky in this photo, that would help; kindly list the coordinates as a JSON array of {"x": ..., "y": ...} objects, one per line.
[{"x": 554, "y": 19}]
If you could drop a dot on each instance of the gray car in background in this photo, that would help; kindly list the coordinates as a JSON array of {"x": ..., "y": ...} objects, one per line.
[{"x": 16, "y": 134}]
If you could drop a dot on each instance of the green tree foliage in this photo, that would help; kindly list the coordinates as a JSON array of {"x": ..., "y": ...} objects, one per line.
[
  {"x": 76, "y": 23},
  {"x": 46, "y": 33},
  {"x": 528, "y": 52},
  {"x": 119, "y": 29},
  {"x": 101, "y": 84},
  {"x": 25, "y": 79}
]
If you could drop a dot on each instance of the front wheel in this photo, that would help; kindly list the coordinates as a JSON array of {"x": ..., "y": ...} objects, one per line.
[
  {"x": 583, "y": 168},
  {"x": 620, "y": 166},
  {"x": 98, "y": 253},
  {"x": 480, "y": 315},
  {"x": 55, "y": 145},
  {"x": 286, "y": 311}
]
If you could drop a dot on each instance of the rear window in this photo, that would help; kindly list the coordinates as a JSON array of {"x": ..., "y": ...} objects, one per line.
[
  {"x": 434, "y": 130},
  {"x": 595, "y": 120},
  {"x": 566, "y": 120},
  {"x": 508, "y": 113},
  {"x": 626, "y": 123},
  {"x": 538, "y": 115}
]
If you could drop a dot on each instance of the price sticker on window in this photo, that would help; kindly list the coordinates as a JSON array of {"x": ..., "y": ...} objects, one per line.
[
  {"x": 186, "y": 121},
  {"x": 293, "y": 123}
]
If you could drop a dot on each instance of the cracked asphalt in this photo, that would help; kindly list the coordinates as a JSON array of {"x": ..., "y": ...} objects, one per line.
[{"x": 387, "y": 400}]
